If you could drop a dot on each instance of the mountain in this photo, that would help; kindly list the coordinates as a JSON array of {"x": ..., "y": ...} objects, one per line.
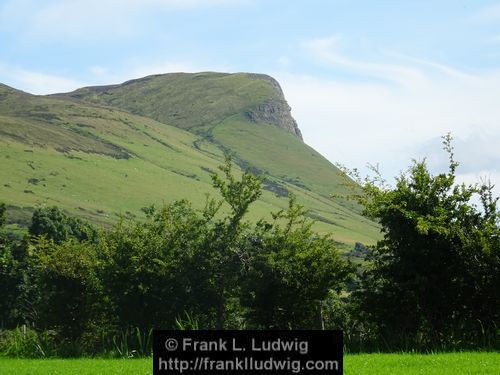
[
  {"x": 105, "y": 152},
  {"x": 194, "y": 101}
]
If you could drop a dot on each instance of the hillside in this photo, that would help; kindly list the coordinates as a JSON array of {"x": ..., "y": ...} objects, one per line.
[{"x": 102, "y": 152}]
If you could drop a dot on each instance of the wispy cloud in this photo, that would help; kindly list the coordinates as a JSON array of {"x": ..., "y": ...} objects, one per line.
[
  {"x": 413, "y": 102},
  {"x": 440, "y": 68},
  {"x": 325, "y": 50}
]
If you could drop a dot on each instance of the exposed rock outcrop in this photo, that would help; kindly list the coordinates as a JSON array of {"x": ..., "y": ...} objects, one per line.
[{"x": 275, "y": 111}]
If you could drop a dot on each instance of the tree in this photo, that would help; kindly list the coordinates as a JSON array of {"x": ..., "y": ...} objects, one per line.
[
  {"x": 225, "y": 240},
  {"x": 155, "y": 270},
  {"x": 56, "y": 225},
  {"x": 69, "y": 298},
  {"x": 190, "y": 258},
  {"x": 290, "y": 272},
  {"x": 434, "y": 277}
]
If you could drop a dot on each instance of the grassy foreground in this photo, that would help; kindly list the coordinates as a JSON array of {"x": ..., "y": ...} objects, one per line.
[
  {"x": 358, "y": 364},
  {"x": 443, "y": 363}
]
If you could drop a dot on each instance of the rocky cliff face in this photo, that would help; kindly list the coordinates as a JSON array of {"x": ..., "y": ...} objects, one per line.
[{"x": 274, "y": 111}]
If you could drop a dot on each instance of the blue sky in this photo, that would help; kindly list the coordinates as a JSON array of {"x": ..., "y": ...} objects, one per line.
[{"x": 368, "y": 81}]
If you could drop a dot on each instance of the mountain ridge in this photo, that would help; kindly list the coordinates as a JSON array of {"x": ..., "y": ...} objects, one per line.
[{"x": 273, "y": 109}]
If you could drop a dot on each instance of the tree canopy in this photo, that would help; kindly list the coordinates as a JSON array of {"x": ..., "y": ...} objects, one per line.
[{"x": 434, "y": 277}]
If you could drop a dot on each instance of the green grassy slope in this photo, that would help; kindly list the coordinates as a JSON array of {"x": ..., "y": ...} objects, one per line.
[
  {"x": 98, "y": 160},
  {"x": 296, "y": 167},
  {"x": 183, "y": 100},
  {"x": 94, "y": 162}
]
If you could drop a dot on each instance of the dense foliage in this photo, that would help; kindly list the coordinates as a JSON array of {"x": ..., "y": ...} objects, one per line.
[
  {"x": 87, "y": 288},
  {"x": 434, "y": 278},
  {"x": 290, "y": 273},
  {"x": 54, "y": 224},
  {"x": 431, "y": 283}
]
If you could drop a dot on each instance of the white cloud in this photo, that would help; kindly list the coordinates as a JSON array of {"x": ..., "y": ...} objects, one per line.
[
  {"x": 390, "y": 120},
  {"x": 36, "y": 82}
]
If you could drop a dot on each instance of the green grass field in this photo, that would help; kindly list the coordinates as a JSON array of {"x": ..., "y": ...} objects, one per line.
[
  {"x": 355, "y": 364},
  {"x": 429, "y": 364}
]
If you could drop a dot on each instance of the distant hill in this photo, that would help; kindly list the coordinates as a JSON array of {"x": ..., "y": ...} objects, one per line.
[{"x": 102, "y": 152}]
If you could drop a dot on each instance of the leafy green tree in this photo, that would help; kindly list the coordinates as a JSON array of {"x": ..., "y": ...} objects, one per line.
[
  {"x": 225, "y": 241},
  {"x": 434, "y": 277},
  {"x": 56, "y": 225},
  {"x": 151, "y": 271},
  {"x": 69, "y": 297},
  {"x": 291, "y": 271}
]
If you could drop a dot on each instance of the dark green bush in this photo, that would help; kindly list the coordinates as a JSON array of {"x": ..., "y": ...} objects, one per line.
[{"x": 433, "y": 280}]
